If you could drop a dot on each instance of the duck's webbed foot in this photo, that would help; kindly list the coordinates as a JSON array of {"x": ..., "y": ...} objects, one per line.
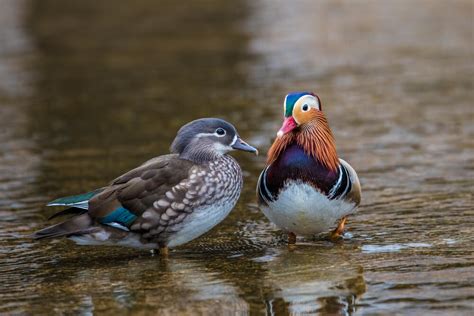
[
  {"x": 291, "y": 238},
  {"x": 339, "y": 231},
  {"x": 164, "y": 251}
]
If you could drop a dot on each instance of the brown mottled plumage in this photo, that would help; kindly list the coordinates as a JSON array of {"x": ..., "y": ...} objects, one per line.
[
  {"x": 140, "y": 188},
  {"x": 167, "y": 201}
]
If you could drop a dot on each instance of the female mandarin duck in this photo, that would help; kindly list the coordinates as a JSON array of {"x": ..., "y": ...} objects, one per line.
[
  {"x": 167, "y": 201},
  {"x": 305, "y": 187}
]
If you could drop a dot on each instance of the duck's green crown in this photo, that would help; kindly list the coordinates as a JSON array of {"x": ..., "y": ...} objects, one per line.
[{"x": 291, "y": 99}]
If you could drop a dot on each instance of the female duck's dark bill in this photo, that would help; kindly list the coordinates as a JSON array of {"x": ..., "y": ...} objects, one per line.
[{"x": 239, "y": 144}]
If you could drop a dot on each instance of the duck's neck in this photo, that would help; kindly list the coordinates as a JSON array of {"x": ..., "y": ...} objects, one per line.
[
  {"x": 314, "y": 137},
  {"x": 200, "y": 154}
]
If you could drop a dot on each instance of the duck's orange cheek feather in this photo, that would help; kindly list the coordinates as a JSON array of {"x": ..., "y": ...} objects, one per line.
[{"x": 304, "y": 117}]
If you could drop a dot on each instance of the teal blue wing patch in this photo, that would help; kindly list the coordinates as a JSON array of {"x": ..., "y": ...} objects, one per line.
[
  {"x": 121, "y": 216},
  {"x": 79, "y": 201}
]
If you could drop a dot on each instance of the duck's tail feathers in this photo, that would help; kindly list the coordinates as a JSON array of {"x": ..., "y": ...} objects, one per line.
[
  {"x": 74, "y": 226},
  {"x": 79, "y": 201},
  {"x": 68, "y": 211}
]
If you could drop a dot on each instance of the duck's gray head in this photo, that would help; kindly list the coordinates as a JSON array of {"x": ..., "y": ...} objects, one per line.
[{"x": 206, "y": 139}]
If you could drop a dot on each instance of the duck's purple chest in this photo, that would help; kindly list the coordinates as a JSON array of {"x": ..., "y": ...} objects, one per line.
[{"x": 294, "y": 164}]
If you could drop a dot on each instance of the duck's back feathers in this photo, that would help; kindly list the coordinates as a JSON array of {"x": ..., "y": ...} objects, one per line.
[{"x": 137, "y": 189}]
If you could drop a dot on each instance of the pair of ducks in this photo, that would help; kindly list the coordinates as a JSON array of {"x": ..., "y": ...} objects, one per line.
[{"x": 175, "y": 198}]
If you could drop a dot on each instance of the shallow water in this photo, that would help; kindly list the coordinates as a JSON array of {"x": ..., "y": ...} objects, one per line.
[{"x": 91, "y": 89}]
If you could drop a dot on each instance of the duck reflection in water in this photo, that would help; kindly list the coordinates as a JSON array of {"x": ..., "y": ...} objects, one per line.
[
  {"x": 307, "y": 282},
  {"x": 165, "y": 286}
]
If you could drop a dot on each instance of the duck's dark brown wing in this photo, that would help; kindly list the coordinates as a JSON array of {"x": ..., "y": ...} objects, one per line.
[{"x": 137, "y": 190}]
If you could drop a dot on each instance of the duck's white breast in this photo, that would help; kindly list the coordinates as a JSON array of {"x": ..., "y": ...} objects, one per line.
[
  {"x": 199, "y": 222},
  {"x": 220, "y": 195},
  {"x": 303, "y": 210}
]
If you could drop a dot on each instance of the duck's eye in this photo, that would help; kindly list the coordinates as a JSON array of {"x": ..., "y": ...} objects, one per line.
[
  {"x": 220, "y": 131},
  {"x": 305, "y": 107}
]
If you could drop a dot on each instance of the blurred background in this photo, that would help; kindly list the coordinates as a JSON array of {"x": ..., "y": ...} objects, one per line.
[{"x": 90, "y": 89}]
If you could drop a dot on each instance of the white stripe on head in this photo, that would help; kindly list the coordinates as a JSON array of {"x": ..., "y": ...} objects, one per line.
[
  {"x": 219, "y": 147},
  {"x": 284, "y": 105},
  {"x": 308, "y": 99},
  {"x": 234, "y": 141},
  {"x": 200, "y": 135}
]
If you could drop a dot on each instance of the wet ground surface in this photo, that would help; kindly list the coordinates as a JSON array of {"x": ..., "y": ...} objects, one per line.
[{"x": 91, "y": 89}]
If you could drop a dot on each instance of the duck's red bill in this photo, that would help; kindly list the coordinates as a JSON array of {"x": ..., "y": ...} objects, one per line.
[{"x": 289, "y": 124}]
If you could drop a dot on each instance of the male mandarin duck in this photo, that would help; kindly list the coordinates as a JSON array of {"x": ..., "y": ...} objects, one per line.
[
  {"x": 167, "y": 201},
  {"x": 305, "y": 188}
]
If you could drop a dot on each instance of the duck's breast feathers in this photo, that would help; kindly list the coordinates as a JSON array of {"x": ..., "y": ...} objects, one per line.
[{"x": 294, "y": 164}]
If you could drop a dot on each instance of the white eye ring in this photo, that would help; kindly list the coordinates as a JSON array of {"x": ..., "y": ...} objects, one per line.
[
  {"x": 305, "y": 107},
  {"x": 220, "y": 132}
]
